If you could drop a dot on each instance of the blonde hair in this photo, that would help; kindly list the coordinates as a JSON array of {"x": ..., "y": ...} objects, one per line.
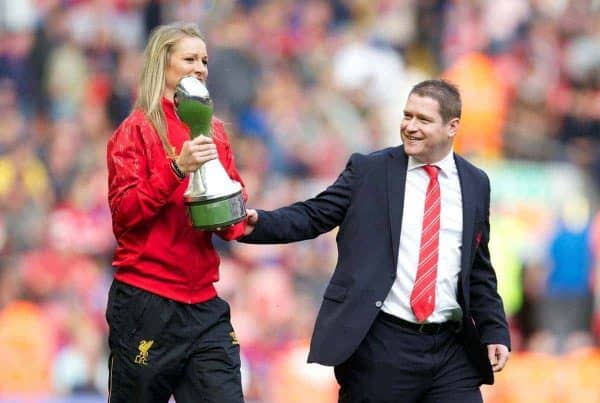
[{"x": 152, "y": 80}]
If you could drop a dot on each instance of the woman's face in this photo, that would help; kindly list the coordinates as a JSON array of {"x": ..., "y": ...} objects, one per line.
[{"x": 188, "y": 57}]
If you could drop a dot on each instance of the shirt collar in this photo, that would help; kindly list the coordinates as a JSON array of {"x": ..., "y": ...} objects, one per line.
[
  {"x": 446, "y": 164},
  {"x": 168, "y": 107}
]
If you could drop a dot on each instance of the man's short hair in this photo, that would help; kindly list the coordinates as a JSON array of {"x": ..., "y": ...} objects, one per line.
[{"x": 445, "y": 93}]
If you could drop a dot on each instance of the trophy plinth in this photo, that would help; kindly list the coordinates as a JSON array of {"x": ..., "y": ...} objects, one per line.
[{"x": 213, "y": 200}]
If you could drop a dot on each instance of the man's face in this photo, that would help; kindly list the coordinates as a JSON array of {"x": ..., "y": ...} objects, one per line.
[{"x": 425, "y": 135}]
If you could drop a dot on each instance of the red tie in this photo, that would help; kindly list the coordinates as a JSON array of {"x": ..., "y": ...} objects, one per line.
[{"x": 422, "y": 299}]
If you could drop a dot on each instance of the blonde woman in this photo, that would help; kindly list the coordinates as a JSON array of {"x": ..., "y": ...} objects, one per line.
[{"x": 169, "y": 332}]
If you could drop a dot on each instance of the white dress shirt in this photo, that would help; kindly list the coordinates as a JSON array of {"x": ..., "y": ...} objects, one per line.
[{"x": 397, "y": 302}]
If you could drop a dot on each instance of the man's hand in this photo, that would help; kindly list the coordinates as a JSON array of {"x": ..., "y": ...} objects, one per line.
[
  {"x": 498, "y": 355},
  {"x": 251, "y": 220}
]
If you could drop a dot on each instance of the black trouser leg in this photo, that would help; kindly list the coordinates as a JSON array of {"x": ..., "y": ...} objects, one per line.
[
  {"x": 213, "y": 370},
  {"x": 394, "y": 364},
  {"x": 160, "y": 347}
]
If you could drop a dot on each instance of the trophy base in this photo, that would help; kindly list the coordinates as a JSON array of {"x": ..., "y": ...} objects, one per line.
[{"x": 216, "y": 213}]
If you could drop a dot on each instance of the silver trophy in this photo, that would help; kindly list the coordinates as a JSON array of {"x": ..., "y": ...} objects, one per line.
[{"x": 213, "y": 199}]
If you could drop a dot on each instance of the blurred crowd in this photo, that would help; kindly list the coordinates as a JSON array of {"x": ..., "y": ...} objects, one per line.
[{"x": 301, "y": 85}]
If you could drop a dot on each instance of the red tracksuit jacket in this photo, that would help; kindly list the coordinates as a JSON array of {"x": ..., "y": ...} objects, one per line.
[{"x": 158, "y": 250}]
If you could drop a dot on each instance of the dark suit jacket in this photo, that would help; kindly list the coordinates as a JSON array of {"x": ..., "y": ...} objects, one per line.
[{"x": 366, "y": 203}]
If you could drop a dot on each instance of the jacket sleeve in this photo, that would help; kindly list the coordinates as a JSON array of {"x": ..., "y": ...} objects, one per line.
[
  {"x": 486, "y": 305},
  {"x": 310, "y": 218},
  {"x": 227, "y": 159},
  {"x": 137, "y": 189}
]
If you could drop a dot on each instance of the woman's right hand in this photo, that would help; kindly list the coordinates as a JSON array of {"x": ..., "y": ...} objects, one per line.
[{"x": 195, "y": 152}]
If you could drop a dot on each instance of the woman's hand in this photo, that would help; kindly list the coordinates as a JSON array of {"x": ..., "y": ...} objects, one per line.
[{"x": 194, "y": 153}]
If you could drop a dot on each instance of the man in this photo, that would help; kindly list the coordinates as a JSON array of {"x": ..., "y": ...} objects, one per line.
[{"x": 411, "y": 313}]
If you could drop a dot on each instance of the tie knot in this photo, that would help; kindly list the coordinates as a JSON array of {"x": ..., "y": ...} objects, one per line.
[{"x": 432, "y": 171}]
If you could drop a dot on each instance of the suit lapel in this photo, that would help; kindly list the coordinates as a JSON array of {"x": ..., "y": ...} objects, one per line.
[
  {"x": 467, "y": 189},
  {"x": 396, "y": 181}
]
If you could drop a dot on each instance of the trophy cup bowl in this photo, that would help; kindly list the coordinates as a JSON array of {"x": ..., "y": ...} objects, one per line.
[{"x": 213, "y": 199}]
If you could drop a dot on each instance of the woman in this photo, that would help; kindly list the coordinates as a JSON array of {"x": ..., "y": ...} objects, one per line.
[{"x": 170, "y": 334}]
